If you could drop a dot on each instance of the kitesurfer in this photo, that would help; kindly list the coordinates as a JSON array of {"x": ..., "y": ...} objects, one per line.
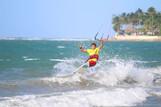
[{"x": 93, "y": 52}]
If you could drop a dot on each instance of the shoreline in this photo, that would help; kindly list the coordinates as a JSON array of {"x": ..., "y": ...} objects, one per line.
[
  {"x": 113, "y": 38},
  {"x": 135, "y": 38}
]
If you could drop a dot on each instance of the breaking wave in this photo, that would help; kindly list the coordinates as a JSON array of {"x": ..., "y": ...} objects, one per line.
[
  {"x": 83, "y": 98},
  {"x": 111, "y": 83}
]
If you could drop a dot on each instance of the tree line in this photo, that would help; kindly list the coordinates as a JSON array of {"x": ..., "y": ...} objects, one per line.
[{"x": 138, "y": 22}]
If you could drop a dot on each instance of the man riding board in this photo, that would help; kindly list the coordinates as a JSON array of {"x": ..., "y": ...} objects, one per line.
[{"x": 93, "y": 52}]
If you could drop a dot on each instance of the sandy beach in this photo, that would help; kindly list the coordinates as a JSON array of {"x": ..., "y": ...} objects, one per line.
[{"x": 136, "y": 38}]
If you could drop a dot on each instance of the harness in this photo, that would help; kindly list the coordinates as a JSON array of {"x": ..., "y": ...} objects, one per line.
[{"x": 94, "y": 56}]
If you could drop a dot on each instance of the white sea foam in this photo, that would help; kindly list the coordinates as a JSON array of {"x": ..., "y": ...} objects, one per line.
[
  {"x": 67, "y": 66},
  {"x": 132, "y": 61},
  {"x": 31, "y": 59},
  {"x": 156, "y": 93},
  {"x": 156, "y": 70},
  {"x": 24, "y": 57},
  {"x": 38, "y": 38},
  {"x": 60, "y": 60},
  {"x": 83, "y": 98},
  {"x": 106, "y": 74},
  {"x": 60, "y": 47}
]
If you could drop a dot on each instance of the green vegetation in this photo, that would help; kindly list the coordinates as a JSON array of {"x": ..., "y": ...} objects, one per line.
[{"x": 138, "y": 23}]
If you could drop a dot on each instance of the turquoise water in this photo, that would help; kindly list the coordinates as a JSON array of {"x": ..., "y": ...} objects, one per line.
[
  {"x": 14, "y": 54},
  {"x": 29, "y": 67}
]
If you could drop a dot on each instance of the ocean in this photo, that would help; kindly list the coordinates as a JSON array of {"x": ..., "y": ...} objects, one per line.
[{"x": 32, "y": 74}]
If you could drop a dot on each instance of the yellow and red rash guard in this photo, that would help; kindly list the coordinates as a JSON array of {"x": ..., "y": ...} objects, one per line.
[{"x": 93, "y": 56}]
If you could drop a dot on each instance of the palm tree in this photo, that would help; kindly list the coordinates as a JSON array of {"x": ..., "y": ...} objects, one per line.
[
  {"x": 138, "y": 21},
  {"x": 157, "y": 24},
  {"x": 151, "y": 12},
  {"x": 132, "y": 20},
  {"x": 116, "y": 23},
  {"x": 139, "y": 15}
]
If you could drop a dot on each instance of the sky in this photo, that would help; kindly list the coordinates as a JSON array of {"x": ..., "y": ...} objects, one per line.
[{"x": 64, "y": 18}]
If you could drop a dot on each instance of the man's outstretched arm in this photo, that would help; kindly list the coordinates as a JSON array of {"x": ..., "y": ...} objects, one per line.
[{"x": 83, "y": 49}]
